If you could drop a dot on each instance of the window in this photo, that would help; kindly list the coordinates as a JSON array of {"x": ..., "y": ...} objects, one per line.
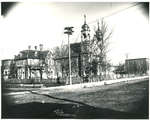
[
  {"x": 36, "y": 53},
  {"x": 6, "y": 73}
]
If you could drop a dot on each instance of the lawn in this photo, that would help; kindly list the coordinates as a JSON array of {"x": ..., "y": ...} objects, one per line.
[{"x": 121, "y": 100}]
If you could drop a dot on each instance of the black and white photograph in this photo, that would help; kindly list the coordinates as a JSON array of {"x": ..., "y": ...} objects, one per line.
[{"x": 74, "y": 60}]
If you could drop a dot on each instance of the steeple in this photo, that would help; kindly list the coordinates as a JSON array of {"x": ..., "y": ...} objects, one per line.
[
  {"x": 84, "y": 19},
  {"x": 98, "y": 25},
  {"x": 85, "y": 31},
  {"x": 85, "y": 27},
  {"x": 85, "y": 47},
  {"x": 98, "y": 32}
]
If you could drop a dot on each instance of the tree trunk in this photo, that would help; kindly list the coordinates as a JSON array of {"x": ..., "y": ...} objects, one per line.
[{"x": 41, "y": 75}]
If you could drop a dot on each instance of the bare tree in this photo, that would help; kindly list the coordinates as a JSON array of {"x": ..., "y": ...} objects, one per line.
[
  {"x": 99, "y": 45},
  {"x": 13, "y": 70},
  {"x": 60, "y": 55},
  {"x": 49, "y": 64},
  {"x": 61, "y": 58}
]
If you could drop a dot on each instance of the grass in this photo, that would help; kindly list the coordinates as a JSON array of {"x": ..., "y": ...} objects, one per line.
[{"x": 116, "y": 99}]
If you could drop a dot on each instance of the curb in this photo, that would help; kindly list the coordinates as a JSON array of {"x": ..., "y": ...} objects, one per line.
[{"x": 83, "y": 85}]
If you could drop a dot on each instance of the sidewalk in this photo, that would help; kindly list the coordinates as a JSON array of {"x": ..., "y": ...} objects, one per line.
[
  {"x": 82, "y": 85},
  {"x": 99, "y": 83}
]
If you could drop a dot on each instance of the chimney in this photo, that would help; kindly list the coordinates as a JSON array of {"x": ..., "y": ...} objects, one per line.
[
  {"x": 35, "y": 47},
  {"x": 29, "y": 47},
  {"x": 41, "y": 47}
]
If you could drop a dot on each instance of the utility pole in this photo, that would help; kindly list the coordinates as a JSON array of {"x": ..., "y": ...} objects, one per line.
[{"x": 69, "y": 32}]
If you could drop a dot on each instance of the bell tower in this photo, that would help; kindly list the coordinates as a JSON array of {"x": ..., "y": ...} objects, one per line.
[
  {"x": 99, "y": 39},
  {"x": 85, "y": 48},
  {"x": 99, "y": 35},
  {"x": 85, "y": 31}
]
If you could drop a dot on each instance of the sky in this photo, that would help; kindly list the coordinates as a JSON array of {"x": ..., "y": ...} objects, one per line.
[{"x": 37, "y": 23}]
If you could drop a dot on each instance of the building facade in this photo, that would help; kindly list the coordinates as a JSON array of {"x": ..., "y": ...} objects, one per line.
[
  {"x": 6, "y": 69},
  {"x": 137, "y": 66},
  {"x": 85, "y": 48},
  {"x": 28, "y": 64},
  {"x": 80, "y": 53},
  {"x": 33, "y": 64}
]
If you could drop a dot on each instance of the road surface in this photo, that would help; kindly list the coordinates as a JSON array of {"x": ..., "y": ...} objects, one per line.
[{"x": 121, "y": 100}]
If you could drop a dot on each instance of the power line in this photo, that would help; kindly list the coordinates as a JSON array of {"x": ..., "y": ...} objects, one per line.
[
  {"x": 78, "y": 27},
  {"x": 121, "y": 10},
  {"x": 116, "y": 12}
]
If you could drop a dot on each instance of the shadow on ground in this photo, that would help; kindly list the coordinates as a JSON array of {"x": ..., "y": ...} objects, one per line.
[{"x": 74, "y": 109}]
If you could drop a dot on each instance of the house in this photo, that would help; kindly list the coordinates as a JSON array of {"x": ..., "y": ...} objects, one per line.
[{"x": 28, "y": 64}]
